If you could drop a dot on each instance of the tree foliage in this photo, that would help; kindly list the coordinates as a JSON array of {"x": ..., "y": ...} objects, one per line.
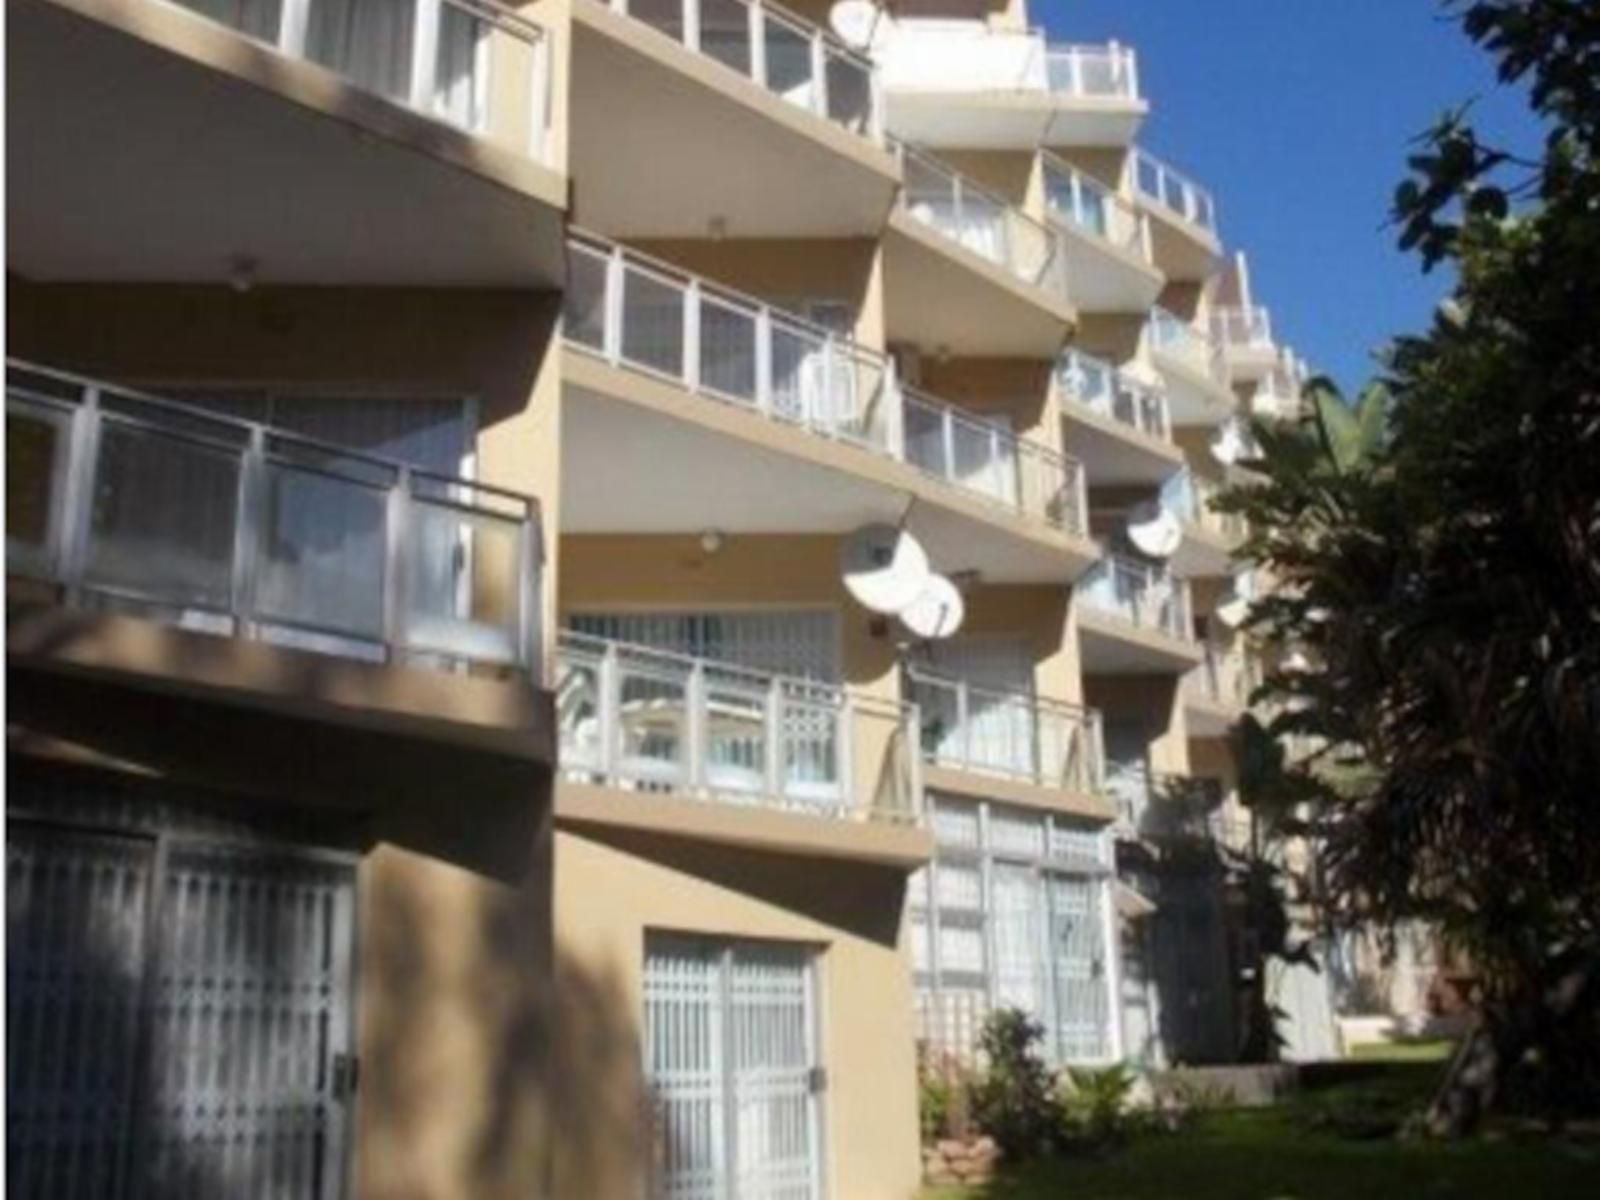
[{"x": 1438, "y": 555}]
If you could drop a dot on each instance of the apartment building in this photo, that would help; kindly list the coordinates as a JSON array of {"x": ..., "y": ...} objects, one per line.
[{"x": 444, "y": 758}]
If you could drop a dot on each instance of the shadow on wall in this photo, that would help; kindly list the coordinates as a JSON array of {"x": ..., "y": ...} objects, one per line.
[{"x": 465, "y": 1040}]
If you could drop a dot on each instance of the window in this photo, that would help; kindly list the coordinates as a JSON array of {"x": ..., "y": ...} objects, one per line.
[
  {"x": 730, "y": 1055},
  {"x": 1015, "y": 913}
]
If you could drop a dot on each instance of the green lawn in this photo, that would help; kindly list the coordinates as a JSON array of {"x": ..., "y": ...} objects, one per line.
[
  {"x": 1405, "y": 1050},
  {"x": 1278, "y": 1154}
]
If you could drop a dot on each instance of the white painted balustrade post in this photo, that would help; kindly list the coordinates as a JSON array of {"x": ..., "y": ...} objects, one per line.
[
  {"x": 691, "y": 24},
  {"x": 425, "y": 55},
  {"x": 399, "y": 546},
  {"x": 696, "y": 731},
  {"x": 615, "y": 284},
  {"x": 764, "y": 360},
  {"x": 610, "y": 684},
  {"x": 691, "y": 336},
  {"x": 293, "y": 19},
  {"x": 758, "y": 43},
  {"x": 775, "y": 738},
  {"x": 819, "y": 74},
  {"x": 247, "y": 530},
  {"x": 77, "y": 507}
]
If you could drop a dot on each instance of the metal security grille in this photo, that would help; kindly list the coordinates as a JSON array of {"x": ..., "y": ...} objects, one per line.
[
  {"x": 731, "y": 1057},
  {"x": 1014, "y": 913},
  {"x": 178, "y": 1012}
]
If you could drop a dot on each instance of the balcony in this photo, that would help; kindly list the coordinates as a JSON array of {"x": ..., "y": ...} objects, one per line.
[
  {"x": 1109, "y": 254},
  {"x": 128, "y": 512},
  {"x": 736, "y": 112},
  {"x": 1217, "y": 692},
  {"x": 1115, "y": 422},
  {"x": 967, "y": 272},
  {"x": 1280, "y": 394},
  {"x": 975, "y": 739},
  {"x": 1245, "y": 335},
  {"x": 670, "y": 366},
  {"x": 962, "y": 83},
  {"x": 1160, "y": 809},
  {"x": 1210, "y": 537},
  {"x": 1134, "y": 617},
  {"x": 1184, "y": 234},
  {"x": 1199, "y": 386},
  {"x": 663, "y": 727},
  {"x": 434, "y": 142}
]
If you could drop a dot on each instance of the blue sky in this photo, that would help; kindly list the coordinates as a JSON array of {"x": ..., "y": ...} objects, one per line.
[{"x": 1297, "y": 115}]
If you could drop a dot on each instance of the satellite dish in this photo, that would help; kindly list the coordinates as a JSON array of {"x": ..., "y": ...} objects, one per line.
[
  {"x": 937, "y": 612},
  {"x": 1153, "y": 530},
  {"x": 1229, "y": 444},
  {"x": 1232, "y": 609},
  {"x": 884, "y": 568},
  {"x": 854, "y": 21}
]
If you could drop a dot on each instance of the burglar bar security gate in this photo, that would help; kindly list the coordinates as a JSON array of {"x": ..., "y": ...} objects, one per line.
[
  {"x": 177, "y": 1017},
  {"x": 730, "y": 1046}
]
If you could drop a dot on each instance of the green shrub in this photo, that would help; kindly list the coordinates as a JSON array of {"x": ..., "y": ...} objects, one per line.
[
  {"x": 1094, "y": 1107},
  {"x": 1013, "y": 1101}
]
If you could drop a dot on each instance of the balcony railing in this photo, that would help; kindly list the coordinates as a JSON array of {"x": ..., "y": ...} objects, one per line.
[
  {"x": 1141, "y": 594},
  {"x": 972, "y": 58},
  {"x": 474, "y": 64},
  {"x": 137, "y": 504},
  {"x": 1173, "y": 191},
  {"x": 643, "y": 314},
  {"x": 1082, "y": 202},
  {"x": 1189, "y": 497},
  {"x": 1227, "y": 676},
  {"x": 1279, "y": 395},
  {"x": 1248, "y": 328},
  {"x": 1098, "y": 386},
  {"x": 1016, "y": 736},
  {"x": 1163, "y": 807},
  {"x": 648, "y": 720},
  {"x": 970, "y": 215},
  {"x": 781, "y": 52},
  {"x": 1176, "y": 339}
]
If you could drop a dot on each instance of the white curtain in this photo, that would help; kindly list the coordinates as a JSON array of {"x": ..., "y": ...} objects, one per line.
[{"x": 367, "y": 41}]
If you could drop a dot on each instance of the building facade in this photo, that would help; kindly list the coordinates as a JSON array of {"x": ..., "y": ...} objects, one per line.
[{"x": 443, "y": 757}]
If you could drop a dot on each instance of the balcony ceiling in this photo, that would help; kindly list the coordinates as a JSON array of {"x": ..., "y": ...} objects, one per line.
[
  {"x": 666, "y": 474},
  {"x": 128, "y": 160},
  {"x": 1184, "y": 252},
  {"x": 1107, "y": 280},
  {"x": 942, "y": 297},
  {"x": 1110, "y": 646},
  {"x": 663, "y": 140},
  {"x": 1010, "y": 120},
  {"x": 1114, "y": 454}
]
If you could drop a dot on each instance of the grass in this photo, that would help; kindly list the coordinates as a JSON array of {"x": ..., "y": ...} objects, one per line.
[
  {"x": 1283, "y": 1154},
  {"x": 1404, "y": 1050}
]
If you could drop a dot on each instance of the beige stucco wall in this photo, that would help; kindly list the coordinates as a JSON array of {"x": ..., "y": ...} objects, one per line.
[
  {"x": 1039, "y": 616},
  {"x": 457, "y": 1007},
  {"x": 783, "y": 271},
  {"x": 611, "y": 888}
]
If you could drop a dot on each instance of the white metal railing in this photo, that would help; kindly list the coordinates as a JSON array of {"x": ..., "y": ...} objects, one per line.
[
  {"x": 1142, "y": 594},
  {"x": 1096, "y": 385},
  {"x": 1159, "y": 805},
  {"x": 781, "y": 52},
  {"x": 968, "y": 57},
  {"x": 638, "y": 312},
  {"x": 1177, "y": 339},
  {"x": 1012, "y": 734},
  {"x": 475, "y": 64},
  {"x": 1279, "y": 394},
  {"x": 650, "y": 720},
  {"x": 1082, "y": 202},
  {"x": 1227, "y": 676},
  {"x": 1189, "y": 497},
  {"x": 1172, "y": 190},
  {"x": 987, "y": 460},
  {"x": 965, "y": 212},
  {"x": 1242, "y": 327},
  {"x": 134, "y": 503}
]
